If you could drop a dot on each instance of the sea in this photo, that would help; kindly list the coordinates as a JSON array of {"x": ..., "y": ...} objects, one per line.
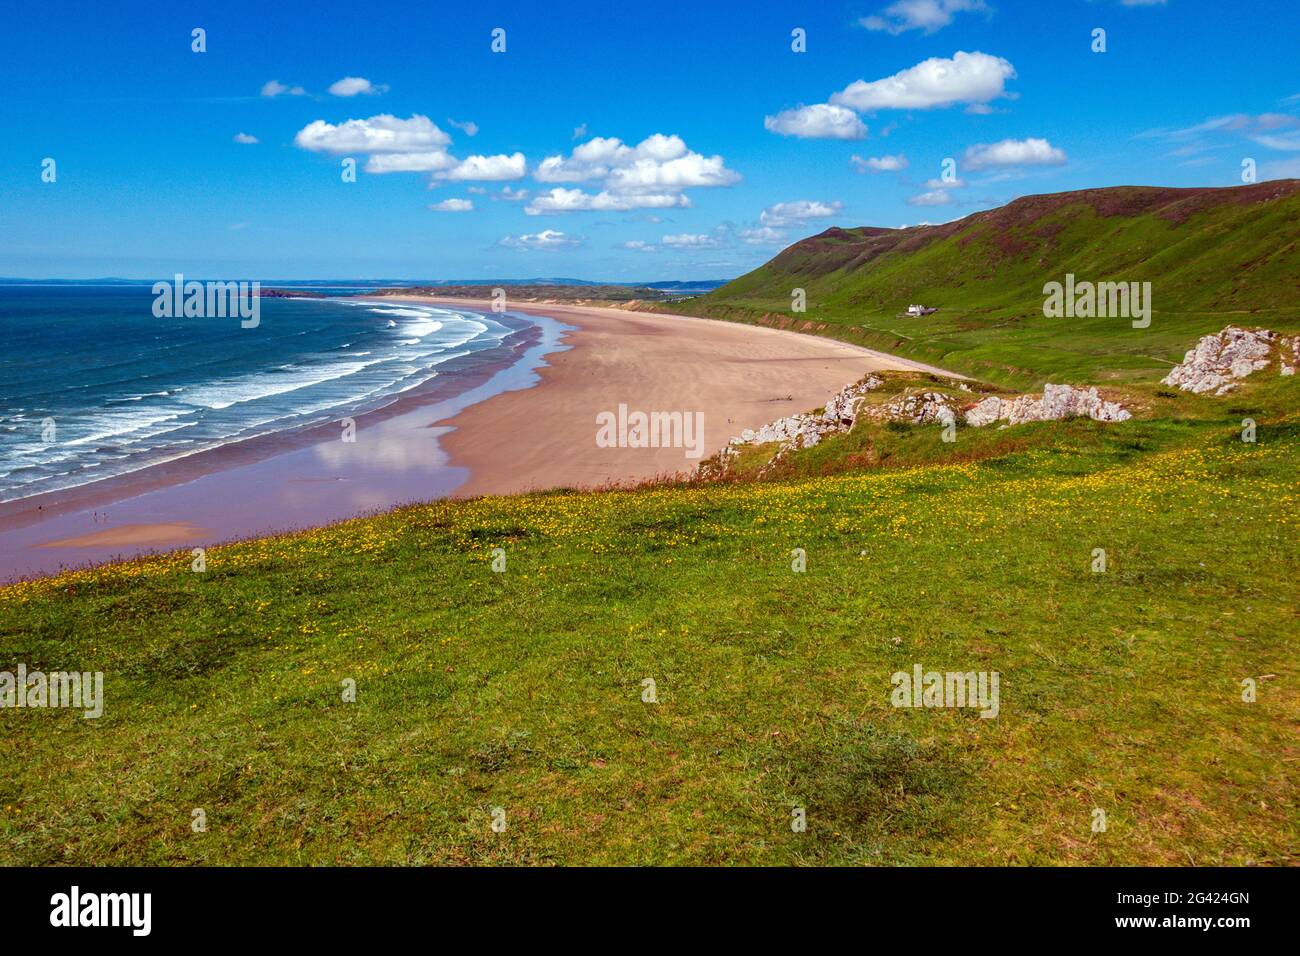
[{"x": 94, "y": 385}]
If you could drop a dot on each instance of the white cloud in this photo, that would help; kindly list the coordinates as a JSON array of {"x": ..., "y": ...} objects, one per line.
[
  {"x": 547, "y": 239},
  {"x": 945, "y": 184},
  {"x": 468, "y": 127},
  {"x": 353, "y": 85},
  {"x": 428, "y": 162},
  {"x": 879, "y": 164},
  {"x": 274, "y": 88},
  {"x": 512, "y": 195},
  {"x": 935, "y": 197},
  {"x": 575, "y": 200},
  {"x": 819, "y": 121},
  {"x": 657, "y": 160},
  {"x": 1288, "y": 142},
  {"x": 453, "y": 205},
  {"x": 579, "y": 131},
  {"x": 936, "y": 82},
  {"x": 927, "y": 15},
  {"x": 762, "y": 236},
  {"x": 486, "y": 169},
  {"x": 790, "y": 213},
  {"x": 384, "y": 133},
  {"x": 1014, "y": 152},
  {"x": 689, "y": 241},
  {"x": 638, "y": 245},
  {"x": 245, "y": 138}
]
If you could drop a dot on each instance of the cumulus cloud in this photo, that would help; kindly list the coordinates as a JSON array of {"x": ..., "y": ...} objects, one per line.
[
  {"x": 511, "y": 195},
  {"x": 651, "y": 175},
  {"x": 245, "y": 138},
  {"x": 819, "y": 121},
  {"x": 879, "y": 164},
  {"x": 453, "y": 205},
  {"x": 414, "y": 145},
  {"x": 273, "y": 88},
  {"x": 927, "y": 15},
  {"x": 547, "y": 239},
  {"x": 384, "y": 133},
  {"x": 560, "y": 199},
  {"x": 790, "y": 213},
  {"x": 640, "y": 245},
  {"x": 936, "y": 82},
  {"x": 469, "y": 127},
  {"x": 486, "y": 168},
  {"x": 1013, "y": 152},
  {"x": 355, "y": 85},
  {"x": 657, "y": 162},
  {"x": 935, "y": 197}
]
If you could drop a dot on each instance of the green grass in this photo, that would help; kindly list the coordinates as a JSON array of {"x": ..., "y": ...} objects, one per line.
[
  {"x": 1213, "y": 258},
  {"x": 522, "y": 690}
]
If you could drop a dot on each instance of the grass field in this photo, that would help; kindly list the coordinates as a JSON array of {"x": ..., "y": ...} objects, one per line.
[{"x": 1121, "y": 691}]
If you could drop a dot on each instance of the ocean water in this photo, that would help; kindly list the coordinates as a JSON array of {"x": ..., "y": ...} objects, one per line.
[{"x": 124, "y": 389}]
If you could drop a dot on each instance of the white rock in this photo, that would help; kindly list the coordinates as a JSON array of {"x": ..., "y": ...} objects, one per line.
[
  {"x": 1219, "y": 359},
  {"x": 807, "y": 430},
  {"x": 1056, "y": 402}
]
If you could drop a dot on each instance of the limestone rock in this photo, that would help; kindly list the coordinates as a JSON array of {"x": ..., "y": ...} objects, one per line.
[
  {"x": 1057, "y": 402},
  {"x": 806, "y": 430},
  {"x": 1219, "y": 359}
]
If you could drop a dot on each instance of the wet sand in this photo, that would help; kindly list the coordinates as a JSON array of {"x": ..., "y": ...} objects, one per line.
[{"x": 531, "y": 425}]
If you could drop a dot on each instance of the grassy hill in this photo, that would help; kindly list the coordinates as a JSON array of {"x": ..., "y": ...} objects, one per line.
[{"x": 1212, "y": 256}]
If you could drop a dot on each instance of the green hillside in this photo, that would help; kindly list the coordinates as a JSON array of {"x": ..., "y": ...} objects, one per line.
[
  {"x": 523, "y": 693},
  {"x": 1213, "y": 257}
]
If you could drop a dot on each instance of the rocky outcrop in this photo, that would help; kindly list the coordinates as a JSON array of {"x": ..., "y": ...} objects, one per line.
[
  {"x": 1056, "y": 402},
  {"x": 919, "y": 409},
  {"x": 1218, "y": 360},
  {"x": 804, "y": 431}
]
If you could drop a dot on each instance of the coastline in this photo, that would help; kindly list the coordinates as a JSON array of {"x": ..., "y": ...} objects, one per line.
[
  {"x": 526, "y": 423},
  {"x": 738, "y": 376}
]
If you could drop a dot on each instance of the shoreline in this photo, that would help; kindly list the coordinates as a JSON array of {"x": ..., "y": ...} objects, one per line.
[
  {"x": 525, "y": 424},
  {"x": 456, "y": 377},
  {"x": 743, "y": 376}
]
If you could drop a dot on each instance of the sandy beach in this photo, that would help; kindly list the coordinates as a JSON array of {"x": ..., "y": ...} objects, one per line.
[
  {"x": 738, "y": 376},
  {"x": 530, "y": 425}
]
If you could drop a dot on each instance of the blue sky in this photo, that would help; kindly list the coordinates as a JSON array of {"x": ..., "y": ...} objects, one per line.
[{"x": 704, "y": 143}]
